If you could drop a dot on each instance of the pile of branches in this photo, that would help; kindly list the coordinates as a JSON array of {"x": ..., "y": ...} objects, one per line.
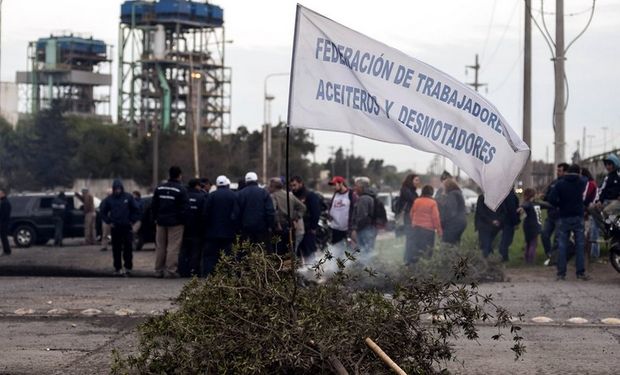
[{"x": 255, "y": 316}]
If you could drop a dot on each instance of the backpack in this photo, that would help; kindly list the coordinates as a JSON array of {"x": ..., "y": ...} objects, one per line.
[{"x": 379, "y": 216}]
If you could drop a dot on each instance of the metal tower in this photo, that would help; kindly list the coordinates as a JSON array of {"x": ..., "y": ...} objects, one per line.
[
  {"x": 171, "y": 68},
  {"x": 73, "y": 70}
]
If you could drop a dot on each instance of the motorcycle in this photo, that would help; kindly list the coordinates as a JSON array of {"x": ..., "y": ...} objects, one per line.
[{"x": 612, "y": 236}]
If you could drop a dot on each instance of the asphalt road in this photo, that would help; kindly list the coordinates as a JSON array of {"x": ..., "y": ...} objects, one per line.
[{"x": 62, "y": 312}]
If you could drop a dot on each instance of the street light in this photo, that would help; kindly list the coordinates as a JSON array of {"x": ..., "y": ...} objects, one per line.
[{"x": 267, "y": 122}]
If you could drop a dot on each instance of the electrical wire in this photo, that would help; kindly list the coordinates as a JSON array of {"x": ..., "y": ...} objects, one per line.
[
  {"x": 542, "y": 17},
  {"x": 549, "y": 43},
  {"x": 484, "y": 48},
  {"x": 509, "y": 74},
  {"x": 501, "y": 39},
  {"x": 584, "y": 29}
]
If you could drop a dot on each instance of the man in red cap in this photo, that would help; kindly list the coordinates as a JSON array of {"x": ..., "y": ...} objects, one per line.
[{"x": 341, "y": 209}]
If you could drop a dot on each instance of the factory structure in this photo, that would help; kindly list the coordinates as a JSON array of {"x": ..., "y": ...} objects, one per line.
[
  {"x": 171, "y": 70},
  {"x": 171, "y": 74},
  {"x": 72, "y": 70}
]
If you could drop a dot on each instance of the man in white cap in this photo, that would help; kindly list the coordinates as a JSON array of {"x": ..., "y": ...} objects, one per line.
[
  {"x": 221, "y": 223},
  {"x": 256, "y": 212}
]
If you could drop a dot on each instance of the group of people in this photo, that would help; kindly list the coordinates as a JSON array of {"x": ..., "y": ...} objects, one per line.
[
  {"x": 573, "y": 202},
  {"x": 194, "y": 226},
  {"x": 428, "y": 212}
]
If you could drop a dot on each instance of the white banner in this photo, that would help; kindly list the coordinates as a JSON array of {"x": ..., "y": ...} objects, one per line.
[{"x": 347, "y": 82}]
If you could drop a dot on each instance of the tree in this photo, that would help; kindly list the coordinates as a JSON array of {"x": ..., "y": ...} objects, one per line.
[
  {"x": 49, "y": 152},
  {"x": 253, "y": 316}
]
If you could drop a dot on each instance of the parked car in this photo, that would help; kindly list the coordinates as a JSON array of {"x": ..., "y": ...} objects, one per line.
[
  {"x": 471, "y": 198},
  {"x": 146, "y": 234},
  {"x": 389, "y": 199},
  {"x": 32, "y": 220}
]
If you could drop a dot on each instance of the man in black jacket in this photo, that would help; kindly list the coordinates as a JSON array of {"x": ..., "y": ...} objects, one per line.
[
  {"x": 170, "y": 205},
  {"x": 120, "y": 211},
  {"x": 488, "y": 225},
  {"x": 256, "y": 212},
  {"x": 567, "y": 195},
  {"x": 510, "y": 219},
  {"x": 221, "y": 215},
  {"x": 311, "y": 200},
  {"x": 608, "y": 197},
  {"x": 552, "y": 220},
  {"x": 5, "y": 218},
  {"x": 59, "y": 215},
  {"x": 189, "y": 260}
]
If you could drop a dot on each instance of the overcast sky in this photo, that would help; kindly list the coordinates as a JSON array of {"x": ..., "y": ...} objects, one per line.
[{"x": 444, "y": 33}]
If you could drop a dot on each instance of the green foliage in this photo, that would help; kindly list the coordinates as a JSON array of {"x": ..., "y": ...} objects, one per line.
[
  {"x": 255, "y": 317},
  {"x": 50, "y": 150}
]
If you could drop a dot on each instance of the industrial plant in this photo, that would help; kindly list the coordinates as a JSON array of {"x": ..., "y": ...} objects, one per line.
[{"x": 171, "y": 72}]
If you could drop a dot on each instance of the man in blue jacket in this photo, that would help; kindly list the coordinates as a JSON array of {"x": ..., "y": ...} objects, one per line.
[
  {"x": 170, "y": 205},
  {"x": 221, "y": 215},
  {"x": 567, "y": 195},
  {"x": 120, "y": 211},
  {"x": 256, "y": 212}
]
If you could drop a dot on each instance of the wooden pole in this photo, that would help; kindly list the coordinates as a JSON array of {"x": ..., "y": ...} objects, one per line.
[{"x": 384, "y": 357}]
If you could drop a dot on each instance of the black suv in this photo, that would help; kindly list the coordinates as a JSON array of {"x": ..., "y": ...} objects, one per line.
[{"x": 32, "y": 222}]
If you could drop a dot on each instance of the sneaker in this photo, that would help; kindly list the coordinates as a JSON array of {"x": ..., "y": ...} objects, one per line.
[
  {"x": 117, "y": 273},
  {"x": 560, "y": 278},
  {"x": 547, "y": 262},
  {"x": 583, "y": 277}
]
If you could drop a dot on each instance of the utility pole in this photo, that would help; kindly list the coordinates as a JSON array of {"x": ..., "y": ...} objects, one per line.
[
  {"x": 333, "y": 153},
  {"x": 476, "y": 68},
  {"x": 558, "y": 115},
  {"x": 476, "y": 85},
  {"x": 590, "y": 137},
  {"x": 155, "y": 154},
  {"x": 526, "y": 175},
  {"x": 583, "y": 144}
]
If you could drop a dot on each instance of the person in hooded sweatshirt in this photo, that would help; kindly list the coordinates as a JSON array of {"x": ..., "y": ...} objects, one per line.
[
  {"x": 120, "y": 211},
  {"x": 567, "y": 195}
]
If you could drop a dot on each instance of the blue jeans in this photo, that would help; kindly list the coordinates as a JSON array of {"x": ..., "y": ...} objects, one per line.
[
  {"x": 366, "y": 240},
  {"x": 567, "y": 225},
  {"x": 548, "y": 228},
  {"x": 595, "y": 250},
  {"x": 508, "y": 234},
  {"x": 486, "y": 236}
]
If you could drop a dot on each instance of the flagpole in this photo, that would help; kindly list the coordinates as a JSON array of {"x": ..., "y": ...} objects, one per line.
[{"x": 288, "y": 121}]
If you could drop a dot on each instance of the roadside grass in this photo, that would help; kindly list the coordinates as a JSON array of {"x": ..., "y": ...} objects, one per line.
[{"x": 391, "y": 250}]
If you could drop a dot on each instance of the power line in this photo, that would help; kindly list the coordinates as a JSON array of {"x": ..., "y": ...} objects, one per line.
[
  {"x": 501, "y": 39},
  {"x": 484, "y": 48}
]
